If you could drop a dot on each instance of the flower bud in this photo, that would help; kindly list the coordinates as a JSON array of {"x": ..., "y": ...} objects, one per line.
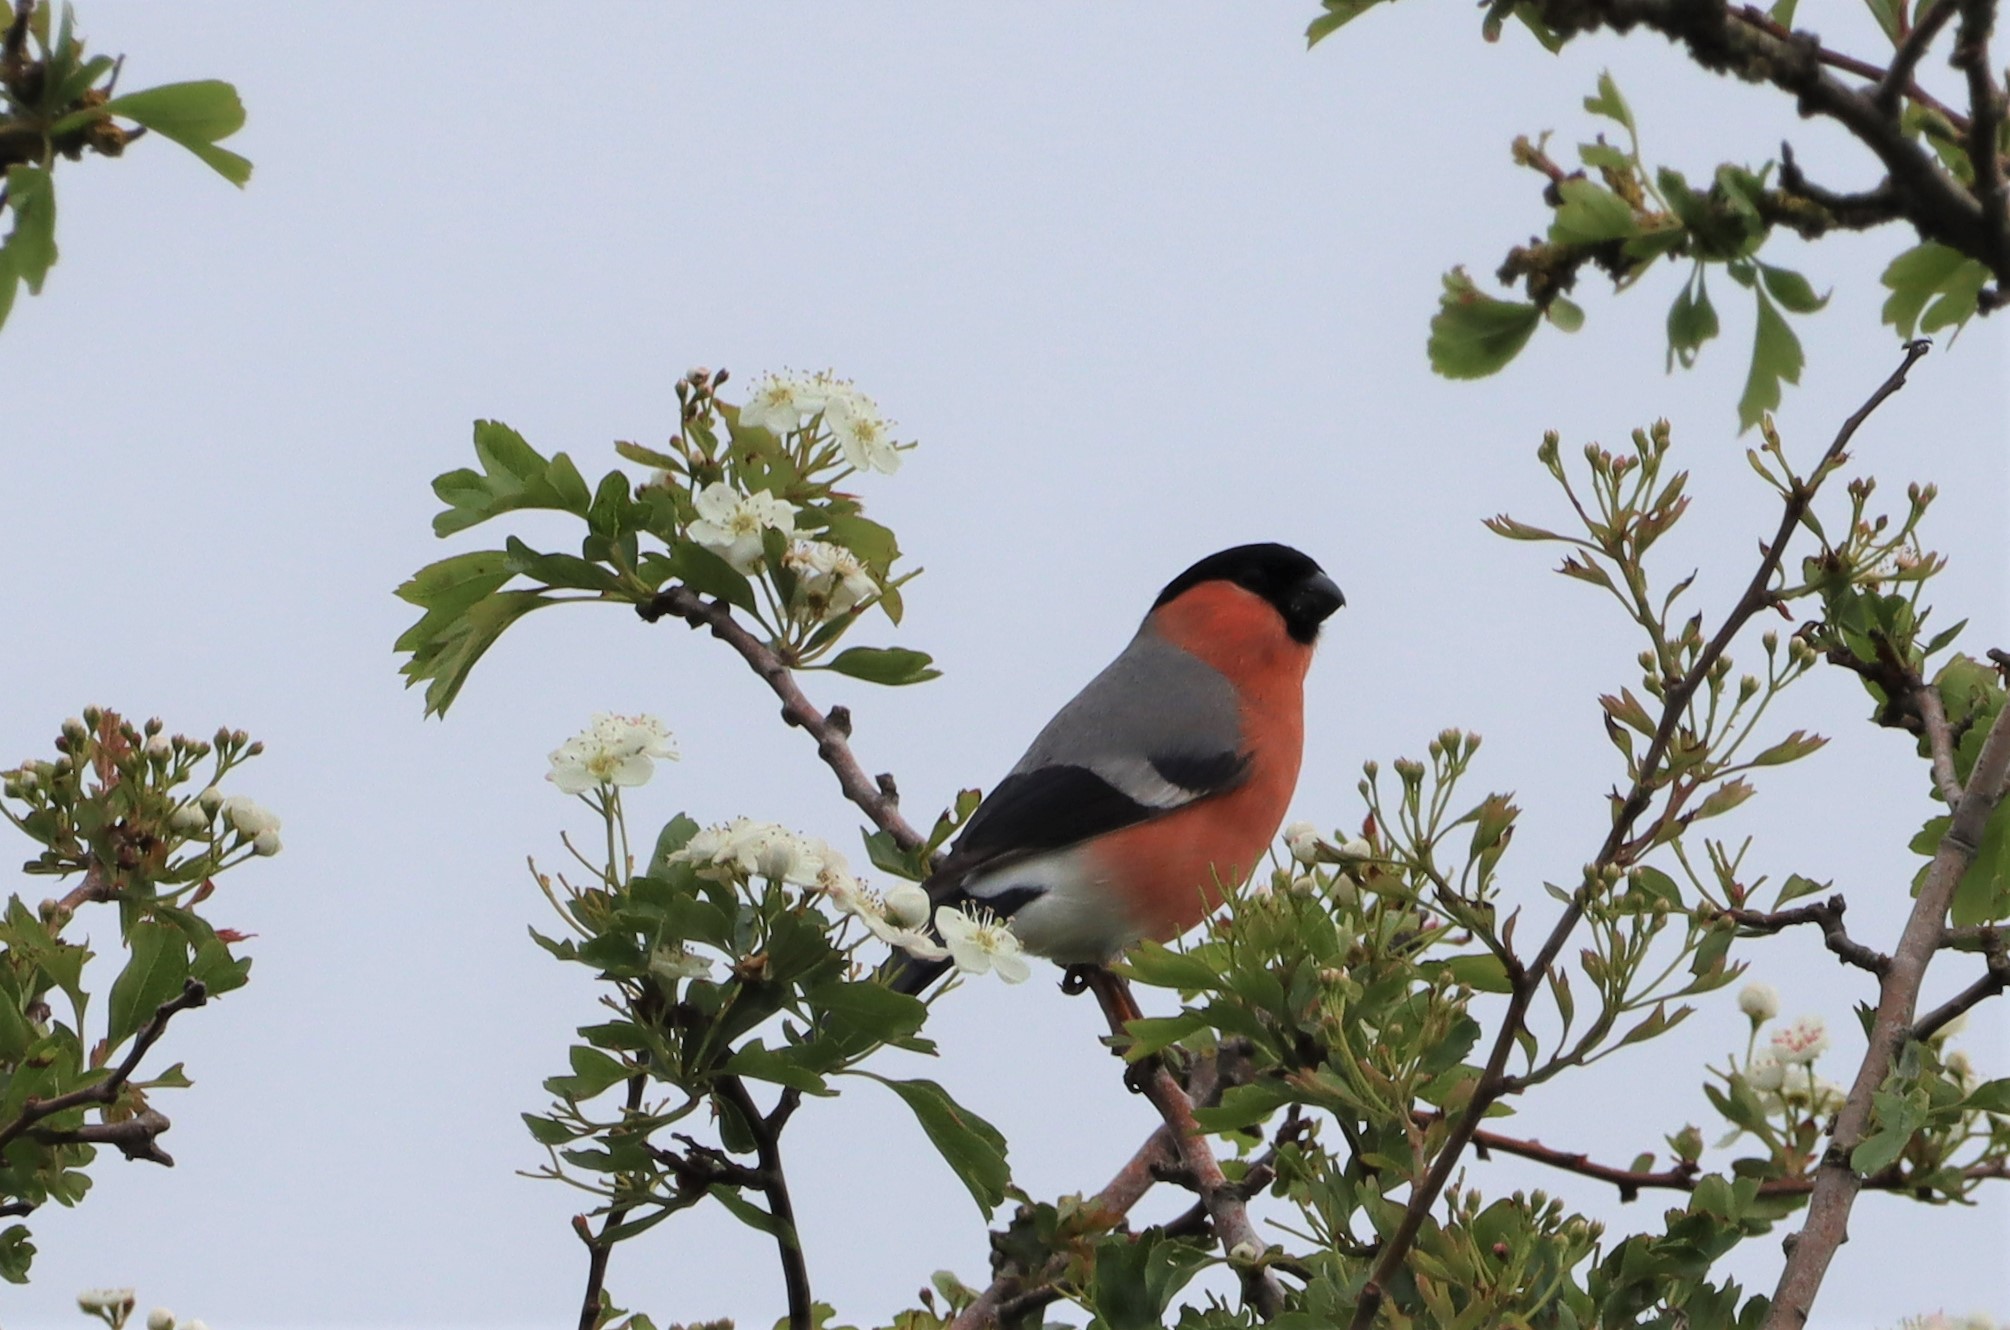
[
  {"x": 188, "y": 819},
  {"x": 1345, "y": 891},
  {"x": 265, "y": 844},
  {"x": 1759, "y": 1001},
  {"x": 210, "y": 799},
  {"x": 907, "y": 905},
  {"x": 1748, "y": 688},
  {"x": 160, "y": 1318},
  {"x": 1245, "y": 1252},
  {"x": 159, "y": 747},
  {"x": 74, "y": 731},
  {"x": 1302, "y": 840},
  {"x": 1688, "y": 1143}
]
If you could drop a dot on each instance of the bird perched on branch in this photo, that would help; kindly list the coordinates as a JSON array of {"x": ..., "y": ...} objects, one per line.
[{"x": 1162, "y": 782}]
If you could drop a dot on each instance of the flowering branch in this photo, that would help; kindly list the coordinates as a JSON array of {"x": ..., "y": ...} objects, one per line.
[
  {"x": 193, "y": 994},
  {"x": 875, "y": 798},
  {"x": 1828, "y": 915},
  {"x": 1525, "y": 981},
  {"x": 1836, "y": 1183}
]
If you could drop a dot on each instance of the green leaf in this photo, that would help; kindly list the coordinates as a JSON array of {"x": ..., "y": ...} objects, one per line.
[
  {"x": 447, "y": 589},
  {"x": 194, "y": 115},
  {"x": 709, "y": 575},
  {"x": 514, "y": 475},
  {"x": 1931, "y": 272},
  {"x": 1482, "y": 971},
  {"x": 31, "y": 245},
  {"x": 593, "y": 1072},
  {"x": 1590, "y": 214},
  {"x": 1887, "y": 12},
  {"x": 1791, "y": 289},
  {"x": 560, "y": 570},
  {"x": 744, "y": 1210},
  {"x": 676, "y": 834},
  {"x": 971, "y": 1147},
  {"x": 884, "y": 665},
  {"x": 1339, "y": 13},
  {"x": 444, "y": 662},
  {"x": 1609, "y": 103},
  {"x": 1796, "y": 887},
  {"x": 16, "y": 1254},
  {"x": 859, "y": 1014},
  {"x": 1776, "y": 356},
  {"x": 762, "y": 1063},
  {"x": 1473, "y": 334},
  {"x": 1136, "y": 1278},
  {"x": 153, "y": 975},
  {"x": 1565, "y": 313},
  {"x": 547, "y": 1131}
]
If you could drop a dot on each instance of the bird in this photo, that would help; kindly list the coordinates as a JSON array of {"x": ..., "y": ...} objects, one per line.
[{"x": 1161, "y": 783}]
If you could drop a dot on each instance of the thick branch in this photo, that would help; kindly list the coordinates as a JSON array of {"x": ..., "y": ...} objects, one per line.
[
  {"x": 831, "y": 732},
  {"x": 192, "y": 994},
  {"x": 1225, "y": 1204},
  {"x": 1939, "y": 740},
  {"x": 1828, "y": 915},
  {"x": 1527, "y": 981},
  {"x": 1985, "y": 110},
  {"x": 1836, "y": 1183}
]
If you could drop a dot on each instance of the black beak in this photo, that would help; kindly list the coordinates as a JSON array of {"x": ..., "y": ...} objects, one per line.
[{"x": 1311, "y": 603}]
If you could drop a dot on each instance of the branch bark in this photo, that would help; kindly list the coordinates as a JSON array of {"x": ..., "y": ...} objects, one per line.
[
  {"x": 775, "y": 1187},
  {"x": 1829, "y": 915},
  {"x": 831, "y": 732},
  {"x": 1836, "y": 1183}
]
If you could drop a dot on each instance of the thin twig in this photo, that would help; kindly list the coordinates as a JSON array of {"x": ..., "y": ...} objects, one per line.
[
  {"x": 1995, "y": 978},
  {"x": 1225, "y": 1205},
  {"x": 600, "y": 1249},
  {"x": 1760, "y": 21},
  {"x": 1527, "y": 981},
  {"x": 193, "y": 994},
  {"x": 1897, "y": 81},
  {"x": 833, "y": 742},
  {"x": 1828, "y": 915},
  {"x": 1836, "y": 1183}
]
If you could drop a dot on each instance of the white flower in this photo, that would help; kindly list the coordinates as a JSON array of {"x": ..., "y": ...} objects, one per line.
[
  {"x": 981, "y": 943},
  {"x": 265, "y": 844},
  {"x": 159, "y": 745},
  {"x": 1802, "y": 1041},
  {"x": 865, "y": 435},
  {"x": 160, "y": 1318},
  {"x": 1759, "y": 1001},
  {"x": 1302, "y": 840},
  {"x": 210, "y": 799},
  {"x": 188, "y": 819},
  {"x": 765, "y": 848},
  {"x": 730, "y": 523},
  {"x": 248, "y": 818},
  {"x": 907, "y": 904},
  {"x": 673, "y": 963},
  {"x": 897, "y": 928},
  {"x": 830, "y": 578},
  {"x": 194, "y": 1325},
  {"x": 104, "y": 1299},
  {"x": 611, "y": 750},
  {"x": 1765, "y": 1072},
  {"x": 779, "y": 402},
  {"x": 1357, "y": 848}
]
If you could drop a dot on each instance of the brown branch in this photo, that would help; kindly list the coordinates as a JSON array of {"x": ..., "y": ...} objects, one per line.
[
  {"x": 1896, "y": 82},
  {"x": 1984, "y": 938},
  {"x": 1828, "y": 915},
  {"x": 1526, "y": 981},
  {"x": 1760, "y": 21},
  {"x": 1939, "y": 739},
  {"x": 598, "y": 1248},
  {"x": 1985, "y": 107},
  {"x": 1836, "y": 1183},
  {"x": 193, "y": 994},
  {"x": 1995, "y": 978},
  {"x": 133, "y": 1136},
  {"x": 1685, "y": 1177},
  {"x": 775, "y": 1186},
  {"x": 1225, "y": 1205},
  {"x": 831, "y": 732}
]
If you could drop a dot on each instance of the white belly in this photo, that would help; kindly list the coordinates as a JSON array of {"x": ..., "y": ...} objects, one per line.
[{"x": 1076, "y": 920}]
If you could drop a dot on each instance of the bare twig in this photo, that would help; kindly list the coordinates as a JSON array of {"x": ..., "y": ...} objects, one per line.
[
  {"x": 133, "y": 1137},
  {"x": 1760, "y": 21},
  {"x": 1995, "y": 978},
  {"x": 192, "y": 994},
  {"x": 833, "y": 742},
  {"x": 1828, "y": 915},
  {"x": 1526, "y": 981},
  {"x": 1897, "y": 81},
  {"x": 1836, "y": 1183},
  {"x": 1225, "y": 1205},
  {"x": 1985, "y": 109}
]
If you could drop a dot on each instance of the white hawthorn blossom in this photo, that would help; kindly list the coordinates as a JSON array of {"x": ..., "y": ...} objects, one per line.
[
  {"x": 1765, "y": 1072},
  {"x": 898, "y": 925},
  {"x": 104, "y": 1299},
  {"x": 1761, "y": 1002},
  {"x": 981, "y": 943},
  {"x": 248, "y": 818},
  {"x": 830, "y": 578},
  {"x": 1801, "y": 1041},
  {"x": 780, "y": 402},
  {"x": 160, "y": 1318},
  {"x": 730, "y": 523},
  {"x": 266, "y": 843},
  {"x": 1357, "y": 849},
  {"x": 764, "y": 848},
  {"x": 865, "y": 435},
  {"x": 611, "y": 750}
]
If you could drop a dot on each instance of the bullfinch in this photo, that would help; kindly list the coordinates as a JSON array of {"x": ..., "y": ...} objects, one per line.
[{"x": 1158, "y": 785}]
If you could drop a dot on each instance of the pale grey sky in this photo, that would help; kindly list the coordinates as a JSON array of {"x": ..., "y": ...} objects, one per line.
[{"x": 1143, "y": 280}]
